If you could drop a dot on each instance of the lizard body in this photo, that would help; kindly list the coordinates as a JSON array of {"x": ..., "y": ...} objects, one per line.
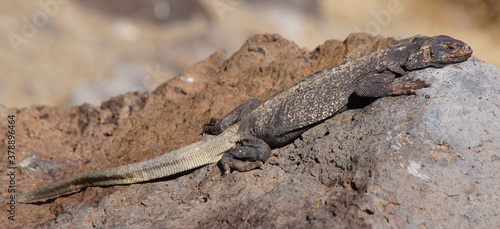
[{"x": 243, "y": 139}]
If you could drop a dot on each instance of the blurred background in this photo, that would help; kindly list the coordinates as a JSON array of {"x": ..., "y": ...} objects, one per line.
[{"x": 62, "y": 53}]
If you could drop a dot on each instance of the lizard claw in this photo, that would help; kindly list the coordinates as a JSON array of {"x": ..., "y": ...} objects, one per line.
[
  {"x": 261, "y": 165},
  {"x": 226, "y": 169}
]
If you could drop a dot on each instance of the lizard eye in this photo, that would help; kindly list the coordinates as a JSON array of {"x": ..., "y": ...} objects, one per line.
[{"x": 450, "y": 47}]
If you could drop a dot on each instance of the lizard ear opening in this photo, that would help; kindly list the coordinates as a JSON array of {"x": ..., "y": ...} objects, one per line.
[{"x": 427, "y": 55}]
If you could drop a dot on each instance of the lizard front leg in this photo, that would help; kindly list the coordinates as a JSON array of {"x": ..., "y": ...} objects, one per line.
[
  {"x": 215, "y": 127},
  {"x": 408, "y": 85},
  {"x": 382, "y": 84}
]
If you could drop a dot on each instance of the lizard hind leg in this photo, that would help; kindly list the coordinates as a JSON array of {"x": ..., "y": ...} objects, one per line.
[
  {"x": 247, "y": 155},
  {"x": 216, "y": 127}
]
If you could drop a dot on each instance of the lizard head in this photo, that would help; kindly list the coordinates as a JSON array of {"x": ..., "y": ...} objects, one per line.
[{"x": 437, "y": 51}]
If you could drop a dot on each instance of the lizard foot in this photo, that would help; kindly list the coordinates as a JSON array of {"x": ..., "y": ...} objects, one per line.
[{"x": 230, "y": 163}]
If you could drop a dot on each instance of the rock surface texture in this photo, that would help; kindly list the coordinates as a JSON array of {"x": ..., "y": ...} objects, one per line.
[{"x": 428, "y": 160}]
